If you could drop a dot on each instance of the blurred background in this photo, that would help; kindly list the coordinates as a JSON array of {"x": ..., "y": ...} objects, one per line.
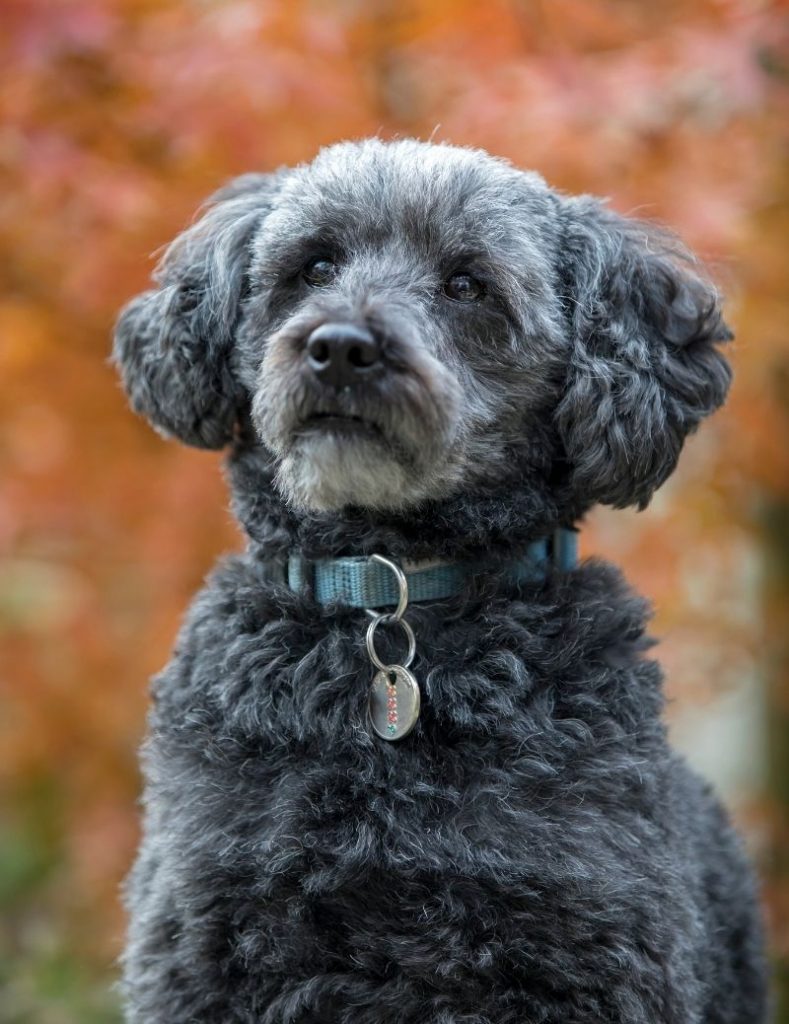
[{"x": 118, "y": 117}]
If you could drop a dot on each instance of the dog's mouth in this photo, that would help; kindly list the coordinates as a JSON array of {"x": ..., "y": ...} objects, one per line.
[{"x": 340, "y": 424}]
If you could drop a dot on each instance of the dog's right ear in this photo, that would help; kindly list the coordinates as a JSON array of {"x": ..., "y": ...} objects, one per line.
[{"x": 172, "y": 343}]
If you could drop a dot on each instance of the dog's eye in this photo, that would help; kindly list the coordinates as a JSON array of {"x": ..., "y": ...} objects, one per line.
[
  {"x": 319, "y": 271},
  {"x": 463, "y": 288}
]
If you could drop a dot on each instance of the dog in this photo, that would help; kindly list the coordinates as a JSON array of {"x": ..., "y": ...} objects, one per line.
[{"x": 459, "y": 807}]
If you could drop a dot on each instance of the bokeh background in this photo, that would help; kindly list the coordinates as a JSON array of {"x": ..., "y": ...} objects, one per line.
[{"x": 118, "y": 117}]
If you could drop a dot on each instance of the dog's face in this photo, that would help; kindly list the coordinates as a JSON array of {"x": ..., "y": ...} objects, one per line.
[
  {"x": 402, "y": 323},
  {"x": 407, "y": 321}
]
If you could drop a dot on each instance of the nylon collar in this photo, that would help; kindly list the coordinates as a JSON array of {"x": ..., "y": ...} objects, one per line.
[{"x": 362, "y": 583}]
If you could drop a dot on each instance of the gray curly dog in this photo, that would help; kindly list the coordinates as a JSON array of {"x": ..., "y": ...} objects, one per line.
[{"x": 420, "y": 352}]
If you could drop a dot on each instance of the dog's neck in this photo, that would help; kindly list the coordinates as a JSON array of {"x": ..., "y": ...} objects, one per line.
[{"x": 496, "y": 526}]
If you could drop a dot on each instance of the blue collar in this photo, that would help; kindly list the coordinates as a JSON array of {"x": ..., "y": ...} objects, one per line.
[{"x": 363, "y": 583}]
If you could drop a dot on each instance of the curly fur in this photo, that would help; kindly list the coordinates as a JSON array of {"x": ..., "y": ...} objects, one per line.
[{"x": 534, "y": 850}]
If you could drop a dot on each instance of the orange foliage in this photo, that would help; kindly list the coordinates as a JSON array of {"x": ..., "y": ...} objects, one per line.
[{"x": 119, "y": 116}]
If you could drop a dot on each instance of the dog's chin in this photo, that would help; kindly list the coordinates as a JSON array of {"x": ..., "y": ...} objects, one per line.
[
  {"x": 329, "y": 469},
  {"x": 340, "y": 462}
]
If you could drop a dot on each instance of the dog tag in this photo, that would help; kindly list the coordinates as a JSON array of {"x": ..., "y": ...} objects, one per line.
[{"x": 394, "y": 702}]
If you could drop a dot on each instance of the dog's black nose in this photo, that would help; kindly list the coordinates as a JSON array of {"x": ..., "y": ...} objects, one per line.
[{"x": 341, "y": 354}]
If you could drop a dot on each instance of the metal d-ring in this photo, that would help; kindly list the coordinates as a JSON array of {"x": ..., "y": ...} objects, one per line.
[
  {"x": 402, "y": 583},
  {"x": 370, "y": 641}
]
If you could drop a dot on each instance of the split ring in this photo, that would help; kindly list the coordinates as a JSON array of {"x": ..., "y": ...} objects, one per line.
[{"x": 370, "y": 641}]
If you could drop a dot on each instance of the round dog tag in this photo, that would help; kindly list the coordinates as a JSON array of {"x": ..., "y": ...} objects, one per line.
[{"x": 394, "y": 702}]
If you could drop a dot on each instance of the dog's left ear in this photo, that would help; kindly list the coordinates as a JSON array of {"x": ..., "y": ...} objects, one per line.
[{"x": 644, "y": 368}]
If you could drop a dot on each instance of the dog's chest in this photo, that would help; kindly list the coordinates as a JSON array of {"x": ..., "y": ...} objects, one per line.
[
  {"x": 295, "y": 836},
  {"x": 372, "y": 860},
  {"x": 262, "y": 730}
]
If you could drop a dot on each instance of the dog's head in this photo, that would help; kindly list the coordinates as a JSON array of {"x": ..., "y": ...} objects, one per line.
[{"x": 407, "y": 321}]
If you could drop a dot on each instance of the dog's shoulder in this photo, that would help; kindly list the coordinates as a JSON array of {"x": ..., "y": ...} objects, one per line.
[{"x": 241, "y": 598}]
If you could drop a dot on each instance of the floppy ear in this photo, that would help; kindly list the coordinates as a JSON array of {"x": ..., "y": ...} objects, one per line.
[
  {"x": 644, "y": 369},
  {"x": 172, "y": 343}
]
